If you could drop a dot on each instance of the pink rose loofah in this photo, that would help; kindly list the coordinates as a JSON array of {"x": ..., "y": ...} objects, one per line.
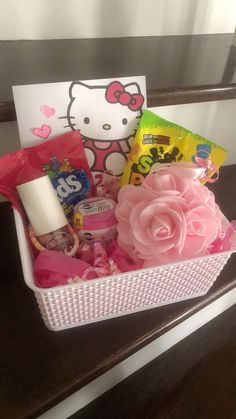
[{"x": 170, "y": 217}]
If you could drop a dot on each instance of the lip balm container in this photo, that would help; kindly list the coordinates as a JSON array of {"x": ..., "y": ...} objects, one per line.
[
  {"x": 49, "y": 228},
  {"x": 94, "y": 219}
]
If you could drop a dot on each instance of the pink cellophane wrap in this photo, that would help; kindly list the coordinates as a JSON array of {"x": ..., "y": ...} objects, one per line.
[
  {"x": 53, "y": 268},
  {"x": 170, "y": 217}
]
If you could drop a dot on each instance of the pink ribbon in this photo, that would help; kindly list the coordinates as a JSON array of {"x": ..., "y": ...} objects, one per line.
[
  {"x": 198, "y": 170},
  {"x": 116, "y": 93},
  {"x": 102, "y": 265},
  {"x": 209, "y": 167},
  {"x": 188, "y": 171}
]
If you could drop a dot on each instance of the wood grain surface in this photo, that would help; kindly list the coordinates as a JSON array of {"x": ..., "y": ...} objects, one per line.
[{"x": 196, "y": 379}]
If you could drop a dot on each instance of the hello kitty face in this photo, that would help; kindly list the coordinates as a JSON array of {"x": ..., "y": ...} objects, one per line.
[{"x": 105, "y": 113}]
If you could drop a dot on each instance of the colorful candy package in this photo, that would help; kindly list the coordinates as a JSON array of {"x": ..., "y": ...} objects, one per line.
[
  {"x": 62, "y": 159},
  {"x": 160, "y": 141}
]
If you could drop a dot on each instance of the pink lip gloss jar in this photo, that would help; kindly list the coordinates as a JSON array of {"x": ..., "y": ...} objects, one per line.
[{"x": 94, "y": 219}]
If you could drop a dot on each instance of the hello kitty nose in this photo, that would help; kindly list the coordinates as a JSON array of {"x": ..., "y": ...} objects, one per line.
[{"x": 106, "y": 126}]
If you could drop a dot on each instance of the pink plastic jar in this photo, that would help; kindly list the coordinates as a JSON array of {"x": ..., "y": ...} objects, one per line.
[{"x": 94, "y": 218}]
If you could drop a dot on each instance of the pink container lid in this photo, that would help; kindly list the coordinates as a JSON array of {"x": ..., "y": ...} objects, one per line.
[{"x": 97, "y": 213}]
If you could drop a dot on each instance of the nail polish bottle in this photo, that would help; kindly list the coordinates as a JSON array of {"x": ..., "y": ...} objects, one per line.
[{"x": 49, "y": 228}]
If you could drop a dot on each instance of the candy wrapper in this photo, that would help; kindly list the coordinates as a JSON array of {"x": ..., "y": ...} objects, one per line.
[
  {"x": 160, "y": 141},
  {"x": 62, "y": 159}
]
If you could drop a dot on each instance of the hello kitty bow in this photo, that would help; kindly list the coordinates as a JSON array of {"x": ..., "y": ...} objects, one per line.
[{"x": 116, "y": 93}]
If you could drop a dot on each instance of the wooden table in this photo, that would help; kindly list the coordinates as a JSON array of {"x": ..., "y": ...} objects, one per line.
[
  {"x": 195, "y": 379},
  {"x": 39, "y": 368},
  {"x": 179, "y": 69}
]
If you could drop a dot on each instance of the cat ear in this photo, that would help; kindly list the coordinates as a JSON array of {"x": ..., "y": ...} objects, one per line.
[
  {"x": 132, "y": 88},
  {"x": 77, "y": 89}
]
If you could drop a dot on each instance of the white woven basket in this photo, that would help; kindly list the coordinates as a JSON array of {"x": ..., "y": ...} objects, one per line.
[{"x": 100, "y": 299}]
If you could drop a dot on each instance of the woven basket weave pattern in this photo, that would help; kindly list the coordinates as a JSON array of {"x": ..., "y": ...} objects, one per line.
[{"x": 90, "y": 301}]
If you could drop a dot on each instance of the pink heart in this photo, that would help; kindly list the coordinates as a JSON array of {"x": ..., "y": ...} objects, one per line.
[
  {"x": 43, "y": 132},
  {"x": 47, "y": 111}
]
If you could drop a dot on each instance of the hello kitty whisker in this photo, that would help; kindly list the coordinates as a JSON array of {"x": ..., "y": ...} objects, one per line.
[
  {"x": 65, "y": 117},
  {"x": 69, "y": 126}
]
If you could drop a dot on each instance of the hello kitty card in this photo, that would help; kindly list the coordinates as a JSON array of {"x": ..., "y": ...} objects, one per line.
[{"x": 105, "y": 111}]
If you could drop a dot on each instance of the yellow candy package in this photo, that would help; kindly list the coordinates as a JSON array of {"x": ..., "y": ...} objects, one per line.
[{"x": 160, "y": 141}]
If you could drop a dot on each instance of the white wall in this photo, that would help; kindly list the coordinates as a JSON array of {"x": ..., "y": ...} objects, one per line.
[
  {"x": 42, "y": 19},
  {"x": 213, "y": 120}
]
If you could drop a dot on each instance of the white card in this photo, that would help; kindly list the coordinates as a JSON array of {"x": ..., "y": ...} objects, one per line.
[{"x": 106, "y": 112}]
